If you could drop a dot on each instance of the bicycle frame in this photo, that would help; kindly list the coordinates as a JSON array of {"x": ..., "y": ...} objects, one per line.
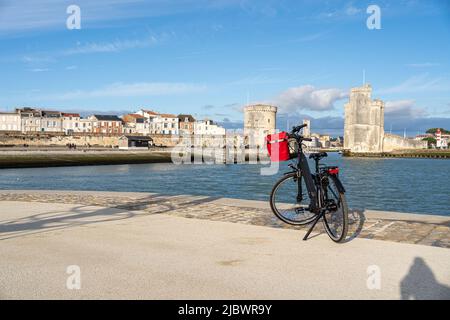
[{"x": 303, "y": 171}]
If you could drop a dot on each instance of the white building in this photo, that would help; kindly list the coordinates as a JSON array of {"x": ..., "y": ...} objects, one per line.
[
  {"x": 71, "y": 123},
  {"x": 86, "y": 126},
  {"x": 160, "y": 123},
  {"x": 315, "y": 141},
  {"x": 30, "y": 119},
  {"x": 10, "y": 121},
  {"x": 34, "y": 120},
  {"x": 51, "y": 121},
  {"x": 441, "y": 142},
  {"x": 169, "y": 123},
  {"x": 207, "y": 127},
  {"x": 136, "y": 123}
]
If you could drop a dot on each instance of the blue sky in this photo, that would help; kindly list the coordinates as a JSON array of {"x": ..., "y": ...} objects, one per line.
[{"x": 209, "y": 58}]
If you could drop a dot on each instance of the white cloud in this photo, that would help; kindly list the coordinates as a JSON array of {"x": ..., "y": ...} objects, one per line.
[
  {"x": 423, "y": 65},
  {"x": 32, "y": 15},
  {"x": 130, "y": 90},
  {"x": 114, "y": 46},
  {"x": 307, "y": 97},
  {"x": 404, "y": 109},
  {"x": 419, "y": 83},
  {"x": 348, "y": 11},
  {"x": 352, "y": 10},
  {"x": 42, "y": 58},
  {"x": 39, "y": 70}
]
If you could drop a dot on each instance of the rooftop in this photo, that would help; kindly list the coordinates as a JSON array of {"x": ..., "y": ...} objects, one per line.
[
  {"x": 102, "y": 117},
  {"x": 75, "y": 115},
  {"x": 168, "y": 115},
  {"x": 150, "y": 112},
  {"x": 182, "y": 117},
  {"x": 136, "y": 138}
]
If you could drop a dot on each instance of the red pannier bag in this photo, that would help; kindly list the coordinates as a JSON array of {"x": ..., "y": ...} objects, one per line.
[{"x": 278, "y": 146}]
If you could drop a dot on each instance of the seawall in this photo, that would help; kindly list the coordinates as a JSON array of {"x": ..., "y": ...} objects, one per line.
[
  {"x": 33, "y": 159},
  {"x": 431, "y": 154}
]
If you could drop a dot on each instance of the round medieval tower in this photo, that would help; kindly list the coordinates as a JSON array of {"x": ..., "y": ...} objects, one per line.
[{"x": 259, "y": 121}]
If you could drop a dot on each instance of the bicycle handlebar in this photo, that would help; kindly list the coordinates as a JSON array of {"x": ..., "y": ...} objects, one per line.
[
  {"x": 298, "y": 128},
  {"x": 295, "y": 130}
]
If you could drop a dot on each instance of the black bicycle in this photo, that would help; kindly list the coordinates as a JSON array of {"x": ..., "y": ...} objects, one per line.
[{"x": 300, "y": 198}]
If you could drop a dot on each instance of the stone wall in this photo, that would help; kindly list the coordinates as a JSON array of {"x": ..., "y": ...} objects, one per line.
[
  {"x": 46, "y": 140},
  {"x": 41, "y": 140},
  {"x": 393, "y": 142}
]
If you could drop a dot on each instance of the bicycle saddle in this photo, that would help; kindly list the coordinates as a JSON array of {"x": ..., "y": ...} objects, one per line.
[{"x": 319, "y": 155}]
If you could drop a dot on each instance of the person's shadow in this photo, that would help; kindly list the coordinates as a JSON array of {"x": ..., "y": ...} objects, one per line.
[{"x": 420, "y": 283}]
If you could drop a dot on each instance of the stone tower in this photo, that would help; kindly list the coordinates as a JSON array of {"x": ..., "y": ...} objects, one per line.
[
  {"x": 259, "y": 121},
  {"x": 364, "y": 121}
]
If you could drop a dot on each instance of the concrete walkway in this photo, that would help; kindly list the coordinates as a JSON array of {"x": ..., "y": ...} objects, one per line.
[
  {"x": 123, "y": 253},
  {"x": 431, "y": 230}
]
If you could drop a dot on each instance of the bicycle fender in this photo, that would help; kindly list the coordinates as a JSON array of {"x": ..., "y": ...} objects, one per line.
[{"x": 339, "y": 185}]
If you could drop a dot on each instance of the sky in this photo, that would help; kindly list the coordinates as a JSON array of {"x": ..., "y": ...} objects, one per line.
[{"x": 210, "y": 58}]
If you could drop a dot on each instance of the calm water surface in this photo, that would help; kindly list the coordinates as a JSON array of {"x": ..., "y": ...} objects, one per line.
[{"x": 404, "y": 185}]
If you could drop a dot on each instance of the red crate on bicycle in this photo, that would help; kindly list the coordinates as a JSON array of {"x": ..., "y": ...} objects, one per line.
[{"x": 278, "y": 146}]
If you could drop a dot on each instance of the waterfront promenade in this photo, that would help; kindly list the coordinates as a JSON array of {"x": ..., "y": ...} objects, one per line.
[{"x": 140, "y": 245}]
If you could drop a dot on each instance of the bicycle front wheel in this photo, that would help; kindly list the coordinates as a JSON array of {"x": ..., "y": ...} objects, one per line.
[
  {"x": 290, "y": 202},
  {"x": 335, "y": 219}
]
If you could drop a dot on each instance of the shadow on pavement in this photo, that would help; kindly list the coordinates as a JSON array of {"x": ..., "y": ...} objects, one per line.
[
  {"x": 356, "y": 219},
  {"x": 82, "y": 215},
  {"x": 420, "y": 283}
]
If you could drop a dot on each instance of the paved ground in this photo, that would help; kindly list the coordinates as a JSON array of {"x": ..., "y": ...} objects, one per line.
[
  {"x": 397, "y": 227},
  {"x": 152, "y": 251}
]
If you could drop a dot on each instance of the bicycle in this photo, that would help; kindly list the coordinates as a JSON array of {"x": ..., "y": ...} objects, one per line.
[{"x": 325, "y": 198}]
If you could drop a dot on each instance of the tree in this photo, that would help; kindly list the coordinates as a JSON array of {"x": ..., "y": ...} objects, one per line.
[
  {"x": 430, "y": 141},
  {"x": 433, "y": 131}
]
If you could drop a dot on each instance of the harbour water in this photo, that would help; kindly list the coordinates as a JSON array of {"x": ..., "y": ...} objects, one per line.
[{"x": 402, "y": 185}]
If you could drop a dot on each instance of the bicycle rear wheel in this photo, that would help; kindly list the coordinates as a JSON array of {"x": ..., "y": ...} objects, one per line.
[
  {"x": 290, "y": 202},
  {"x": 335, "y": 219}
]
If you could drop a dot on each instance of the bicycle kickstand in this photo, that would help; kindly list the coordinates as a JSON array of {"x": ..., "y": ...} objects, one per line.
[{"x": 320, "y": 215}]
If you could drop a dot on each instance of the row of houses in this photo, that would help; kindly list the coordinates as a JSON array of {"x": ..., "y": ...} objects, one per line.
[{"x": 143, "y": 122}]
